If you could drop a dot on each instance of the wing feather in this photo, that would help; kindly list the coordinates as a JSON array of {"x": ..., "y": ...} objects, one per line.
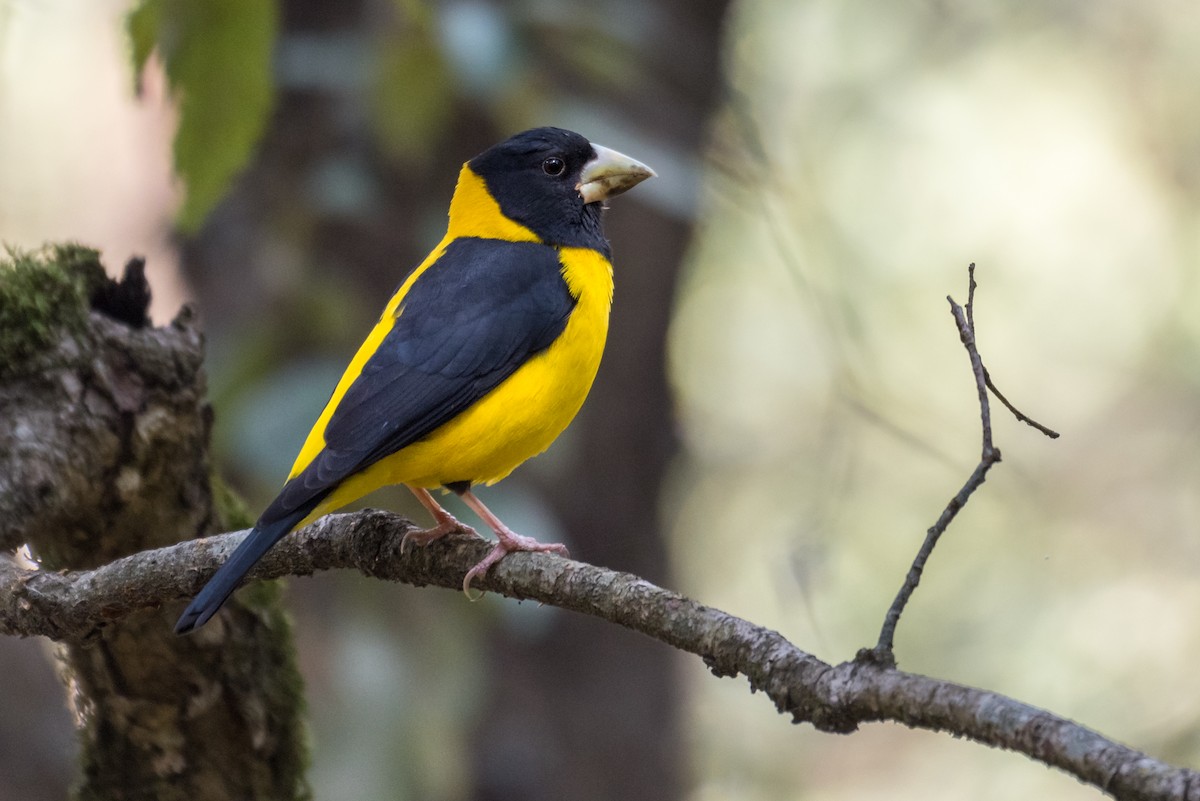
[{"x": 467, "y": 323}]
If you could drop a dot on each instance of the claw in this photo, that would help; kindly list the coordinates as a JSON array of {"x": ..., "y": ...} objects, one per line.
[
  {"x": 445, "y": 523},
  {"x": 509, "y": 542},
  {"x": 422, "y": 537}
]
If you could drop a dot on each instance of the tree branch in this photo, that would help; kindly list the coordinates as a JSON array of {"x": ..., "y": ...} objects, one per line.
[{"x": 76, "y": 606}]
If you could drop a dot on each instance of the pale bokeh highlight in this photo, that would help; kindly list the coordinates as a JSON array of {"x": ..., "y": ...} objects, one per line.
[
  {"x": 870, "y": 153},
  {"x": 82, "y": 158}
]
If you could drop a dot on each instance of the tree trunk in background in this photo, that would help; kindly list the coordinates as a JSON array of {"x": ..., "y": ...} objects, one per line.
[{"x": 590, "y": 711}]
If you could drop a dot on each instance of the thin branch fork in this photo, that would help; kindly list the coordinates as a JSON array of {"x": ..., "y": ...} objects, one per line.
[{"x": 964, "y": 317}]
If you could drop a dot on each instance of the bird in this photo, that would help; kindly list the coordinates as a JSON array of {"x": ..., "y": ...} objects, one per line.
[{"x": 479, "y": 360}]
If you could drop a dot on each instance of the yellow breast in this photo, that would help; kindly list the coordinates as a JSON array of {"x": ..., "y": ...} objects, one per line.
[
  {"x": 522, "y": 416},
  {"x": 526, "y": 412}
]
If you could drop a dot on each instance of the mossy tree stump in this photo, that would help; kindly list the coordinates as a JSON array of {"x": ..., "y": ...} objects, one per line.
[{"x": 104, "y": 451}]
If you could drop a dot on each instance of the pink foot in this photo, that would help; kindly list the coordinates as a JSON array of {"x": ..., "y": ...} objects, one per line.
[
  {"x": 422, "y": 537},
  {"x": 509, "y": 542},
  {"x": 445, "y": 522}
]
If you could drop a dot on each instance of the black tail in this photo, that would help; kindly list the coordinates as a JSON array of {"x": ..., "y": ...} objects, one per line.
[{"x": 225, "y": 581}]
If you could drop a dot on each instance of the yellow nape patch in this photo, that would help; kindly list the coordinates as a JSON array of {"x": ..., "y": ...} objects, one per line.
[{"x": 474, "y": 212}]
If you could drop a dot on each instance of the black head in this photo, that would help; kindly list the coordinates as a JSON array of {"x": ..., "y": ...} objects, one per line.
[{"x": 535, "y": 176}]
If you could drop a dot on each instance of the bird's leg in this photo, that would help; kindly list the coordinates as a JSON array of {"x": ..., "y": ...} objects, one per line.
[
  {"x": 509, "y": 540},
  {"x": 444, "y": 522}
]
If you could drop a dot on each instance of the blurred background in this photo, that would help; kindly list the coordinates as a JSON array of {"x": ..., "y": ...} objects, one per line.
[{"x": 784, "y": 407}]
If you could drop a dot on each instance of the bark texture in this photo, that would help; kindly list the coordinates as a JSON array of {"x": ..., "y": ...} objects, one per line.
[{"x": 104, "y": 433}]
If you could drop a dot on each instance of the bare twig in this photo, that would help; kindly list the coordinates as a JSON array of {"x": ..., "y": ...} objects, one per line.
[
  {"x": 73, "y": 606},
  {"x": 964, "y": 318},
  {"x": 987, "y": 378},
  {"x": 1017, "y": 413},
  {"x": 971, "y": 287},
  {"x": 882, "y": 651}
]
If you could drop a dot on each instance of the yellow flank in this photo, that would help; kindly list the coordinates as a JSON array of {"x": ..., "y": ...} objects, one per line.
[{"x": 518, "y": 419}]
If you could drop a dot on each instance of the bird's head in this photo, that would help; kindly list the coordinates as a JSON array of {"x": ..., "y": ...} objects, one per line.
[{"x": 554, "y": 182}]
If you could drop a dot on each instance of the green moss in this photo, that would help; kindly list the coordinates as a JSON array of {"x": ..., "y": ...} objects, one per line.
[
  {"x": 232, "y": 512},
  {"x": 273, "y": 649},
  {"x": 43, "y": 294},
  {"x": 284, "y": 691}
]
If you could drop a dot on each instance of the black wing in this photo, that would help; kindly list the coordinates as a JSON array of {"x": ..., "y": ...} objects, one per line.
[{"x": 467, "y": 323}]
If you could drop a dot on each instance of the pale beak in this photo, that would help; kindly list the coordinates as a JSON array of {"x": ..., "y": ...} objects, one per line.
[{"x": 609, "y": 174}]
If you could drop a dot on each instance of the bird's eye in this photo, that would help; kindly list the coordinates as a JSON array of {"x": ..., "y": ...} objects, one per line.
[{"x": 554, "y": 166}]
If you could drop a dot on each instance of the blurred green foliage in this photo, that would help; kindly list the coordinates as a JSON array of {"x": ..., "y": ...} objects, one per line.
[
  {"x": 217, "y": 56},
  {"x": 413, "y": 94}
]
